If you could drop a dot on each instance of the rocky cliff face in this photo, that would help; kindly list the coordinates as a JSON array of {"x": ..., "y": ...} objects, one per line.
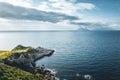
[
  {"x": 25, "y": 57},
  {"x": 31, "y": 53}
]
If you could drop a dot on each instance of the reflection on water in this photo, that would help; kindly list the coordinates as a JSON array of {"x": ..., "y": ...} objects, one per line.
[{"x": 76, "y": 53}]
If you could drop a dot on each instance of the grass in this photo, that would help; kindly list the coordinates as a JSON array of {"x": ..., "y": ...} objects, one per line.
[
  {"x": 13, "y": 73},
  {"x": 5, "y": 54},
  {"x": 20, "y": 50}
]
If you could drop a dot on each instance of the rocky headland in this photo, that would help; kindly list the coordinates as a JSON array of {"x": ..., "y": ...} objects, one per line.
[{"x": 24, "y": 58}]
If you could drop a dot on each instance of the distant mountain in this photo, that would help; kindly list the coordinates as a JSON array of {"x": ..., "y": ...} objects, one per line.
[{"x": 83, "y": 29}]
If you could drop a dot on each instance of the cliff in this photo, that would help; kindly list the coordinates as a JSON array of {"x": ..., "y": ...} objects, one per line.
[
  {"x": 23, "y": 58},
  {"x": 13, "y": 73},
  {"x": 30, "y": 52},
  {"x": 33, "y": 53}
]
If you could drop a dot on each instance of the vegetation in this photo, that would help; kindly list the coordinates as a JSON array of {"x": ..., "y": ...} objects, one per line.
[
  {"x": 19, "y": 64},
  {"x": 18, "y": 49},
  {"x": 13, "y": 73},
  {"x": 5, "y": 54}
]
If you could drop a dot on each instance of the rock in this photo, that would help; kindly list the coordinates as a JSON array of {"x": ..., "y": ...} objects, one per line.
[
  {"x": 87, "y": 77},
  {"x": 1, "y": 73},
  {"x": 31, "y": 53},
  {"x": 18, "y": 47},
  {"x": 25, "y": 57}
]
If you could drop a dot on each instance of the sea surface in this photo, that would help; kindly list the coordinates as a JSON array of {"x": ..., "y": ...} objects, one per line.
[{"x": 96, "y": 53}]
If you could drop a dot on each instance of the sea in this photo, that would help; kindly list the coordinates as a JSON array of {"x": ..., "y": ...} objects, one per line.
[{"x": 77, "y": 53}]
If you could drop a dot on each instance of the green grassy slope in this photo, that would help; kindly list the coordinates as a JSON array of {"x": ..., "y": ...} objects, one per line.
[
  {"x": 18, "y": 49},
  {"x": 12, "y": 73}
]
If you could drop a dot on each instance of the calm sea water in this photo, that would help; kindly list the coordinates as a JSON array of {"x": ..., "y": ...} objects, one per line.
[{"x": 93, "y": 52}]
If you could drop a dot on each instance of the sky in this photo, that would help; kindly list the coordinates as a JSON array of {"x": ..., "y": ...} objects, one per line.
[{"x": 59, "y": 15}]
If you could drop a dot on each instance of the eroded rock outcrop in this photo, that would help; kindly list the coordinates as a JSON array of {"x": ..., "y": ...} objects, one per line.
[{"x": 25, "y": 57}]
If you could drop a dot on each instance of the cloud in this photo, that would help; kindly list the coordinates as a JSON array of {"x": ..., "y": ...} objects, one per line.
[
  {"x": 21, "y": 13},
  {"x": 63, "y": 25},
  {"x": 49, "y": 15},
  {"x": 26, "y": 25},
  {"x": 42, "y": 12},
  {"x": 23, "y": 3},
  {"x": 68, "y": 7},
  {"x": 96, "y": 25}
]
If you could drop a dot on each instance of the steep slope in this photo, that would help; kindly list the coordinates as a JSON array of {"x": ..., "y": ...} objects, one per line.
[{"x": 13, "y": 73}]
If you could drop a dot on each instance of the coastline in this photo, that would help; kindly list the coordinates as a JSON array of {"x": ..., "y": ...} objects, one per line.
[{"x": 24, "y": 58}]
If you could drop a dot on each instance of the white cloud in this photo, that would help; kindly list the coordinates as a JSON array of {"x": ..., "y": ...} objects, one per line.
[
  {"x": 115, "y": 26},
  {"x": 4, "y": 24},
  {"x": 83, "y": 6},
  {"x": 66, "y": 7},
  {"x": 20, "y": 13},
  {"x": 64, "y": 25},
  {"x": 23, "y": 3},
  {"x": 96, "y": 25},
  {"x": 60, "y": 6},
  {"x": 35, "y": 25}
]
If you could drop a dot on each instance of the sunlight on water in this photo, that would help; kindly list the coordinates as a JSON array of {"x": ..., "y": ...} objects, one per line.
[{"x": 76, "y": 53}]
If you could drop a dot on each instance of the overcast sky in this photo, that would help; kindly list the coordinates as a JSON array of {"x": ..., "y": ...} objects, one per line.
[{"x": 59, "y": 15}]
